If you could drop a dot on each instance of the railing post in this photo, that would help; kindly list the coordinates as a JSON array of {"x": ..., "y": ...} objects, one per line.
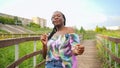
[
  {"x": 105, "y": 45},
  {"x": 105, "y": 52},
  {"x": 2, "y": 36},
  {"x": 16, "y": 53},
  {"x": 110, "y": 50},
  {"x": 116, "y": 53},
  {"x": 21, "y": 35},
  {"x": 34, "y": 58},
  {"x": 29, "y": 35},
  {"x": 12, "y": 35}
]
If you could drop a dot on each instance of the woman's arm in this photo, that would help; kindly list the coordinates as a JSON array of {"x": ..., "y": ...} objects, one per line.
[
  {"x": 77, "y": 49},
  {"x": 44, "y": 40}
]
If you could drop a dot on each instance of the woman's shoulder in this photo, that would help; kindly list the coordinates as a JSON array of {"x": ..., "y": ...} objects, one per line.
[
  {"x": 66, "y": 31},
  {"x": 70, "y": 30}
]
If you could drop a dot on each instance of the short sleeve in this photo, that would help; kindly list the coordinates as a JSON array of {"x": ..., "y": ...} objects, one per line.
[{"x": 74, "y": 39}]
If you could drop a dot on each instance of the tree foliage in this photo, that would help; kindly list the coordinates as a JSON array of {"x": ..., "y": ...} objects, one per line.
[
  {"x": 11, "y": 21},
  {"x": 82, "y": 30},
  {"x": 17, "y": 21},
  {"x": 100, "y": 29},
  {"x": 32, "y": 24},
  {"x": 6, "y": 20}
]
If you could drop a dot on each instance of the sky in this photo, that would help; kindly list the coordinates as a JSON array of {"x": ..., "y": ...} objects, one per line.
[{"x": 85, "y": 13}]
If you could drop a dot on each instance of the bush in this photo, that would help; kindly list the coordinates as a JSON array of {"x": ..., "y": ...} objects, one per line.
[
  {"x": 32, "y": 24},
  {"x": 7, "y": 20},
  {"x": 100, "y": 29},
  {"x": 17, "y": 21}
]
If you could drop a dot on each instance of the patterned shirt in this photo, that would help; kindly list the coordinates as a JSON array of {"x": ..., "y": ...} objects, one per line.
[{"x": 60, "y": 48}]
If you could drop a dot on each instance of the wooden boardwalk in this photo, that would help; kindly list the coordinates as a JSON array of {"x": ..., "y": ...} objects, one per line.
[{"x": 89, "y": 58}]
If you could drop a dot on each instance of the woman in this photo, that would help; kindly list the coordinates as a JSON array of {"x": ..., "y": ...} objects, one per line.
[{"x": 62, "y": 46}]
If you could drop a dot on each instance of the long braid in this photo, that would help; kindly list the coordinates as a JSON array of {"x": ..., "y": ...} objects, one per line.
[
  {"x": 64, "y": 18},
  {"x": 52, "y": 33}
]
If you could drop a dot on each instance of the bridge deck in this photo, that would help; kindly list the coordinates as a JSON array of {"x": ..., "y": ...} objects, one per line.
[{"x": 89, "y": 58}]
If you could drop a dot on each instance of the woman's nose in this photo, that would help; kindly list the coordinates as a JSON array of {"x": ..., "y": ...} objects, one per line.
[{"x": 56, "y": 17}]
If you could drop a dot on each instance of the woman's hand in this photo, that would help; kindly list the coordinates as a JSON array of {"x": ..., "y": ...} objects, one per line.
[
  {"x": 44, "y": 39},
  {"x": 78, "y": 49}
]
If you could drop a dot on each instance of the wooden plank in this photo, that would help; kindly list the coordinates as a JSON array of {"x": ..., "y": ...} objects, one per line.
[
  {"x": 10, "y": 42},
  {"x": 40, "y": 64},
  {"x": 89, "y": 58},
  {"x": 14, "y": 64}
]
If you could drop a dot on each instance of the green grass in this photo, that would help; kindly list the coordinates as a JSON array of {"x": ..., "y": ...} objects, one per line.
[
  {"x": 7, "y": 54},
  {"x": 38, "y": 30},
  {"x": 89, "y": 35},
  {"x": 3, "y": 31},
  {"x": 112, "y": 33}
]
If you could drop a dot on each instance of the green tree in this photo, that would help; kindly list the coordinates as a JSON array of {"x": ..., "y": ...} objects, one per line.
[
  {"x": 32, "y": 24},
  {"x": 17, "y": 21},
  {"x": 100, "y": 29},
  {"x": 82, "y": 30},
  {"x": 6, "y": 20},
  {"x": 104, "y": 28},
  {"x": 97, "y": 29}
]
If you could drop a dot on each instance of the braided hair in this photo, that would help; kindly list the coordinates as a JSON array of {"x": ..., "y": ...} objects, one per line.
[{"x": 54, "y": 29}]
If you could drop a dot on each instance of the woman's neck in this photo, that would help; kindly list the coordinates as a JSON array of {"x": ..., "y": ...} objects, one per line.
[{"x": 59, "y": 28}]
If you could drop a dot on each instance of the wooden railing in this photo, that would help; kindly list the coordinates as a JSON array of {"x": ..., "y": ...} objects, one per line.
[
  {"x": 110, "y": 49},
  {"x": 16, "y": 41},
  {"x": 4, "y": 36}
]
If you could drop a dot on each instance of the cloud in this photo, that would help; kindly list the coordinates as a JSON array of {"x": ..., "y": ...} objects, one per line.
[
  {"x": 114, "y": 18},
  {"x": 111, "y": 21}
]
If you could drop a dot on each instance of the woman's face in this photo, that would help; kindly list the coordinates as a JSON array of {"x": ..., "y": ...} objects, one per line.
[{"x": 57, "y": 19}]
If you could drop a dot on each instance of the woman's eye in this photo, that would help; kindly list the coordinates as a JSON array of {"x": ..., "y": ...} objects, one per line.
[{"x": 58, "y": 15}]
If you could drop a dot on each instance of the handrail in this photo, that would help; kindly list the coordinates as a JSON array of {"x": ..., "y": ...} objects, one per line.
[
  {"x": 20, "y": 34},
  {"x": 10, "y": 42},
  {"x": 4, "y": 36},
  {"x": 20, "y": 60},
  {"x": 107, "y": 45},
  {"x": 116, "y": 40},
  {"x": 40, "y": 64}
]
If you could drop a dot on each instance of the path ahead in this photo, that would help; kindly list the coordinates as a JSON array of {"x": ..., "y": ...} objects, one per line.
[{"x": 89, "y": 58}]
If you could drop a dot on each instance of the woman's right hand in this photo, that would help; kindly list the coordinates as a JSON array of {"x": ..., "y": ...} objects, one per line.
[{"x": 44, "y": 39}]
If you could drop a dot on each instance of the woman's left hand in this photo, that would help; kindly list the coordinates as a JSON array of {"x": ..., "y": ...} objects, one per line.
[{"x": 79, "y": 49}]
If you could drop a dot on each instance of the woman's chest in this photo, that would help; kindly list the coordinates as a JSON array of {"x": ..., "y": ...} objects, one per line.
[{"x": 58, "y": 42}]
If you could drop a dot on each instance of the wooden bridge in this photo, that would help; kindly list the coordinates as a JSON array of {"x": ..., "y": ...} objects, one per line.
[{"x": 89, "y": 59}]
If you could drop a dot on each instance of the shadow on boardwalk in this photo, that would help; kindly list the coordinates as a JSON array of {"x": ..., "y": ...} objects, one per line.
[{"x": 89, "y": 58}]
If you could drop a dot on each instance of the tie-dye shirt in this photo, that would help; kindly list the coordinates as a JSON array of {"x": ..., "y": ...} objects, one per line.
[{"x": 60, "y": 48}]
